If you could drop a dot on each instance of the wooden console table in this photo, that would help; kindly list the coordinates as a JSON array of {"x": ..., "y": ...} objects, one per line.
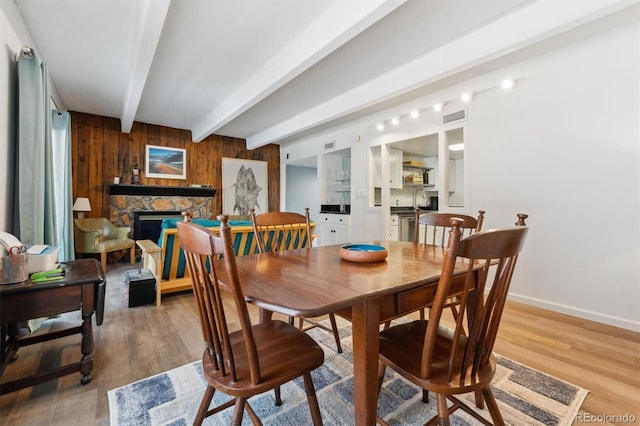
[{"x": 83, "y": 288}]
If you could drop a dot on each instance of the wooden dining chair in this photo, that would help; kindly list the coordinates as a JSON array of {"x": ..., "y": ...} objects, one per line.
[
  {"x": 431, "y": 228},
  {"x": 277, "y": 231},
  {"x": 452, "y": 362},
  {"x": 254, "y": 359}
]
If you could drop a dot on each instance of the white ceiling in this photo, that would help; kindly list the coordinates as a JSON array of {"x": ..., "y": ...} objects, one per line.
[{"x": 273, "y": 70}]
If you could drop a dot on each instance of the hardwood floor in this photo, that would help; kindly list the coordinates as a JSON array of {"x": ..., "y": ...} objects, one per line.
[{"x": 134, "y": 343}]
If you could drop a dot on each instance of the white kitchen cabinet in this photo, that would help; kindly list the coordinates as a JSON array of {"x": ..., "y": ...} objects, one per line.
[
  {"x": 395, "y": 168},
  {"x": 333, "y": 229},
  {"x": 393, "y": 233}
]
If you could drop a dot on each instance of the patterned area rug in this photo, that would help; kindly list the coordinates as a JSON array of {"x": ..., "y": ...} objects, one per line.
[{"x": 525, "y": 396}]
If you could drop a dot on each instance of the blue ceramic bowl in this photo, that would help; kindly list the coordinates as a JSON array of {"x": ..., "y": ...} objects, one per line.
[{"x": 363, "y": 253}]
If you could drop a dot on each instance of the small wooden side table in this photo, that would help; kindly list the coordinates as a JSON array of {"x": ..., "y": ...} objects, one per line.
[{"x": 83, "y": 288}]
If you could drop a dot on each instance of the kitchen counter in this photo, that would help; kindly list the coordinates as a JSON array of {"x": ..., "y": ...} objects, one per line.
[
  {"x": 404, "y": 210},
  {"x": 335, "y": 209}
]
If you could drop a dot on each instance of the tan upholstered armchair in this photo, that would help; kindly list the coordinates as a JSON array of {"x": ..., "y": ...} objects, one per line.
[{"x": 98, "y": 235}]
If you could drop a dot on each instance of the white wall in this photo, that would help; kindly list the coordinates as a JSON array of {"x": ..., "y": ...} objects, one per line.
[
  {"x": 11, "y": 44},
  {"x": 563, "y": 146}
]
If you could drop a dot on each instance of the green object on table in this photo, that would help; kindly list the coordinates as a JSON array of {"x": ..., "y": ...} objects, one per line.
[{"x": 45, "y": 276}]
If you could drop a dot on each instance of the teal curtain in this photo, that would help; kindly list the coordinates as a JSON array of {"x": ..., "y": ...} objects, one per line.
[
  {"x": 61, "y": 142},
  {"x": 34, "y": 215}
]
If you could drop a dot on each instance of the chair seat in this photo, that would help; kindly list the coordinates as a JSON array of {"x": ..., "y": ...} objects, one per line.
[
  {"x": 275, "y": 341},
  {"x": 114, "y": 245},
  {"x": 401, "y": 345}
]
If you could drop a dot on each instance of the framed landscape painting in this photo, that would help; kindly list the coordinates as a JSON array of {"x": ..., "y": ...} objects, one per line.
[
  {"x": 244, "y": 186},
  {"x": 166, "y": 163}
]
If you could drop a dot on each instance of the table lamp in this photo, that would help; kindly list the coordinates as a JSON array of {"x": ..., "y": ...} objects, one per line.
[{"x": 81, "y": 205}]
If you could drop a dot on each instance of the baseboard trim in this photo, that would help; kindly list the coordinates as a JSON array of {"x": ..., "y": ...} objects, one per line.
[{"x": 577, "y": 312}]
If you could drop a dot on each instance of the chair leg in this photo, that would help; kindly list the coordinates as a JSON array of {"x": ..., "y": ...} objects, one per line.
[
  {"x": 382, "y": 367},
  {"x": 276, "y": 392},
  {"x": 443, "y": 411},
  {"x": 132, "y": 254},
  {"x": 252, "y": 414},
  {"x": 238, "y": 411},
  {"x": 333, "y": 329},
  {"x": 493, "y": 407},
  {"x": 103, "y": 261},
  {"x": 204, "y": 405},
  {"x": 336, "y": 335},
  {"x": 316, "y": 417},
  {"x": 479, "y": 399}
]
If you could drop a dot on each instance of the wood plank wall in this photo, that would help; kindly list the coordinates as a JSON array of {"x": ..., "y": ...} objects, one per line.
[{"x": 100, "y": 151}]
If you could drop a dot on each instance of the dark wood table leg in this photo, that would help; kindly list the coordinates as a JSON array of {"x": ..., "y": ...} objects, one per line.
[
  {"x": 366, "y": 342},
  {"x": 9, "y": 333},
  {"x": 3, "y": 343},
  {"x": 10, "y": 342},
  {"x": 86, "y": 362},
  {"x": 100, "y": 302}
]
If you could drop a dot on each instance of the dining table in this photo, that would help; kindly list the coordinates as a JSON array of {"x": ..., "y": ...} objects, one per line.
[{"x": 317, "y": 281}]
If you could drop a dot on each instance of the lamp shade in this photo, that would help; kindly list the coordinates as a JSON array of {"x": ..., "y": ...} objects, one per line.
[{"x": 82, "y": 205}]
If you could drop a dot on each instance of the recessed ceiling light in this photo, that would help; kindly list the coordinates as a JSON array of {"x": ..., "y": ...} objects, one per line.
[
  {"x": 507, "y": 83},
  {"x": 415, "y": 113},
  {"x": 380, "y": 126},
  {"x": 437, "y": 106},
  {"x": 395, "y": 121},
  {"x": 466, "y": 96}
]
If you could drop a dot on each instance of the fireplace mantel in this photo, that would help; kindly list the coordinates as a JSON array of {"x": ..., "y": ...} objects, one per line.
[{"x": 161, "y": 191}]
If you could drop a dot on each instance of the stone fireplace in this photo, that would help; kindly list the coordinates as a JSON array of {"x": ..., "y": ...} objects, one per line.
[{"x": 131, "y": 205}]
